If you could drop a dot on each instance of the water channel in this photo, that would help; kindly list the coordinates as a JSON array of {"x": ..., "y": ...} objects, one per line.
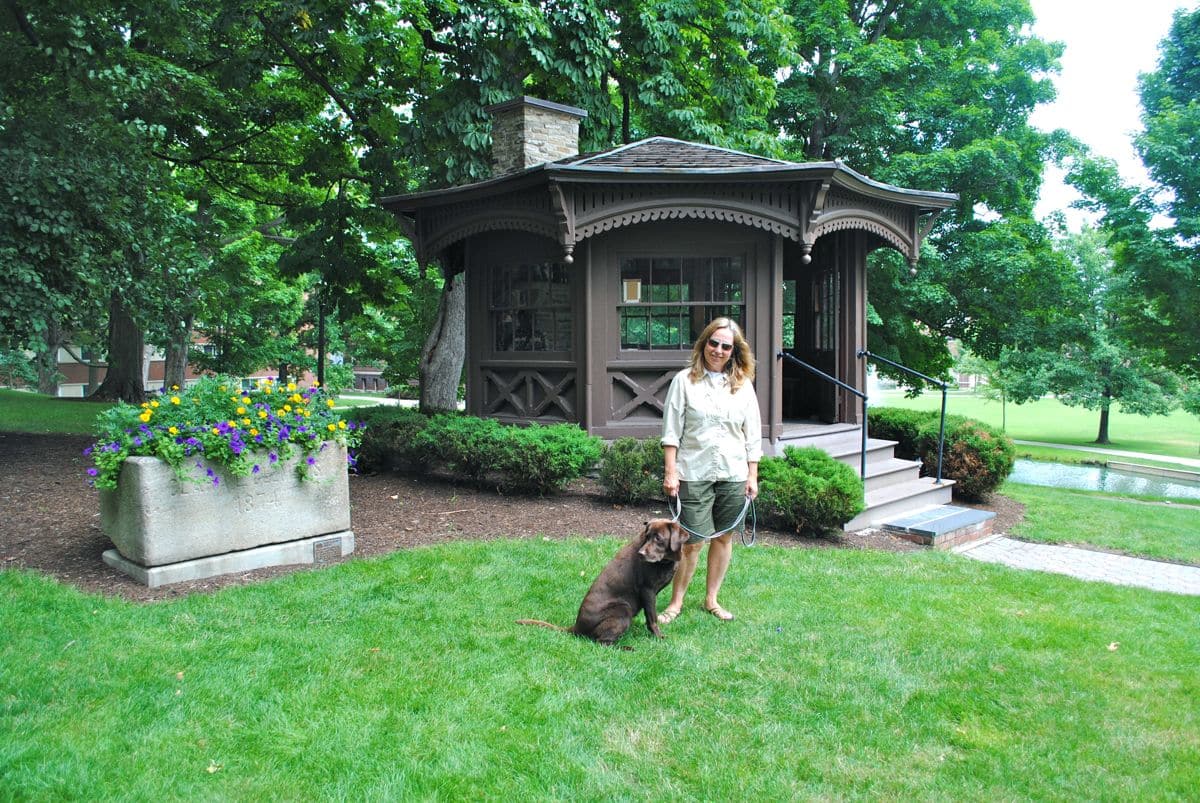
[{"x": 1100, "y": 478}]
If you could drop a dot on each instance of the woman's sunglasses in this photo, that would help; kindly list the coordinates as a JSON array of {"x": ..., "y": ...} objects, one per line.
[{"x": 717, "y": 344}]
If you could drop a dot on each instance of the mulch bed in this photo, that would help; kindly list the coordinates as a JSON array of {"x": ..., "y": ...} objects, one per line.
[{"x": 51, "y": 521}]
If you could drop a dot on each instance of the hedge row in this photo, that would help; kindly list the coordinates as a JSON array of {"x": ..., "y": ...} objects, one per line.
[
  {"x": 534, "y": 459},
  {"x": 804, "y": 489},
  {"x": 976, "y": 456}
]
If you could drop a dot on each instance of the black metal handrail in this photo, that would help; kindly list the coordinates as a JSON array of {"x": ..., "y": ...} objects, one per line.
[
  {"x": 813, "y": 369},
  {"x": 939, "y": 383}
]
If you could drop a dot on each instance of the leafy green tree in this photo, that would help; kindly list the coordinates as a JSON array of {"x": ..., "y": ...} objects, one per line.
[
  {"x": 936, "y": 93},
  {"x": 1099, "y": 366}
]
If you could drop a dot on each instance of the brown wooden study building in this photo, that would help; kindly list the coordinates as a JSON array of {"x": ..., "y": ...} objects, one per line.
[{"x": 589, "y": 276}]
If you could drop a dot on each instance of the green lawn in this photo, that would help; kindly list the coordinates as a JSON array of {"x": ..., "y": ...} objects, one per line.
[
  {"x": 1086, "y": 518},
  {"x": 33, "y": 412},
  {"x": 848, "y": 674},
  {"x": 1048, "y": 420}
]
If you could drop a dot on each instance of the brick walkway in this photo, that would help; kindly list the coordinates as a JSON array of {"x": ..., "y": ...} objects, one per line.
[{"x": 1086, "y": 564}]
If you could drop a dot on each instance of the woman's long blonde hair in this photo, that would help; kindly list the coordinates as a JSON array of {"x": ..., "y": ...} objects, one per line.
[{"x": 740, "y": 367}]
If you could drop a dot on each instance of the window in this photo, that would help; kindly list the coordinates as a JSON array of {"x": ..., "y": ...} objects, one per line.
[
  {"x": 530, "y": 307},
  {"x": 667, "y": 301}
]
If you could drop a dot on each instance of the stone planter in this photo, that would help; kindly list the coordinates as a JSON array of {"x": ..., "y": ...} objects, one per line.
[{"x": 168, "y": 530}]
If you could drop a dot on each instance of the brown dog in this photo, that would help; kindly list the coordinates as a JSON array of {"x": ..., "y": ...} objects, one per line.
[{"x": 629, "y": 583}]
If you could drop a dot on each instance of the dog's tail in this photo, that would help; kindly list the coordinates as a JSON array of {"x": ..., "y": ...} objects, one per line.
[{"x": 540, "y": 623}]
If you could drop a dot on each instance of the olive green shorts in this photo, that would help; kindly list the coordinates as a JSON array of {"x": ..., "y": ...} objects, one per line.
[{"x": 710, "y": 506}]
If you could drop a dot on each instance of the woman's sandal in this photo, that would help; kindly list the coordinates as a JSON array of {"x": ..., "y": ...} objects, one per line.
[
  {"x": 667, "y": 616},
  {"x": 720, "y": 613}
]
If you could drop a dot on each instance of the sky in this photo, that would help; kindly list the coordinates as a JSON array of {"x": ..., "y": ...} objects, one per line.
[{"x": 1108, "y": 43}]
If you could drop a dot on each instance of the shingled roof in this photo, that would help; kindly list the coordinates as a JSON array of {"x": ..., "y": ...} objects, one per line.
[{"x": 664, "y": 152}]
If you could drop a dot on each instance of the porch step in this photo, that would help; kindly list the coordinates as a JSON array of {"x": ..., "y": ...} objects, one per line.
[
  {"x": 843, "y": 446},
  {"x": 892, "y": 471},
  {"x": 944, "y": 526},
  {"x": 899, "y": 499}
]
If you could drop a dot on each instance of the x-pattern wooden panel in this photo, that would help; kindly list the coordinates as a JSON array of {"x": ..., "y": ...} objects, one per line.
[
  {"x": 517, "y": 391},
  {"x": 642, "y": 394}
]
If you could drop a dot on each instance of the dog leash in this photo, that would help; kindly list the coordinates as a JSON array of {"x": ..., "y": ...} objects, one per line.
[{"x": 677, "y": 509}]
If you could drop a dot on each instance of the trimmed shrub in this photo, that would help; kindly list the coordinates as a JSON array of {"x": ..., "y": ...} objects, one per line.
[
  {"x": 900, "y": 425},
  {"x": 976, "y": 456},
  {"x": 631, "y": 470},
  {"x": 534, "y": 459},
  {"x": 540, "y": 459},
  {"x": 387, "y": 438},
  {"x": 808, "y": 490}
]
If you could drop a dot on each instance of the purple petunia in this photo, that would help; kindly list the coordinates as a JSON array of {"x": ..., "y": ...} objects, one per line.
[
  {"x": 312, "y": 461},
  {"x": 87, "y": 452},
  {"x": 93, "y": 472},
  {"x": 274, "y": 457},
  {"x": 256, "y": 469}
]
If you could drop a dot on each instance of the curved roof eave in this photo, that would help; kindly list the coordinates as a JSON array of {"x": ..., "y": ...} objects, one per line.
[{"x": 835, "y": 171}]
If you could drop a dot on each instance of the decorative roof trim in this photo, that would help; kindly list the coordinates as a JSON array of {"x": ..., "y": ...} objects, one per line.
[{"x": 649, "y": 140}]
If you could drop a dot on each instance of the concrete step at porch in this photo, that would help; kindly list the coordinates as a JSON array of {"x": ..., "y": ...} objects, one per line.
[
  {"x": 898, "y": 499},
  {"x": 892, "y": 471}
]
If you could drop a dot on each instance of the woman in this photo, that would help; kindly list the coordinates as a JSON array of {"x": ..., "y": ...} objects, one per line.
[{"x": 712, "y": 443}]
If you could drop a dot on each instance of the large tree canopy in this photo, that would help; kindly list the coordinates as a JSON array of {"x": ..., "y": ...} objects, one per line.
[{"x": 936, "y": 94}]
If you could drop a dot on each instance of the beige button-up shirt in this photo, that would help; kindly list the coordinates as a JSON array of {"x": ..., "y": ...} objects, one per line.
[{"x": 717, "y": 432}]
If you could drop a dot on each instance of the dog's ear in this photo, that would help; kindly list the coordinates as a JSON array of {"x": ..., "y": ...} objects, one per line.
[{"x": 678, "y": 537}]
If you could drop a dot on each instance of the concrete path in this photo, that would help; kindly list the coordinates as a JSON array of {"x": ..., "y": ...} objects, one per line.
[
  {"x": 1183, "y": 461},
  {"x": 1086, "y": 564}
]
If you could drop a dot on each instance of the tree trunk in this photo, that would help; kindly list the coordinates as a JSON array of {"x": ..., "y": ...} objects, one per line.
[
  {"x": 445, "y": 350},
  {"x": 1102, "y": 437},
  {"x": 175, "y": 367},
  {"x": 46, "y": 360},
  {"x": 126, "y": 352},
  {"x": 320, "y": 341}
]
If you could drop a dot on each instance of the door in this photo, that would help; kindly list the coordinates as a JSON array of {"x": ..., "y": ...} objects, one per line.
[{"x": 810, "y": 333}]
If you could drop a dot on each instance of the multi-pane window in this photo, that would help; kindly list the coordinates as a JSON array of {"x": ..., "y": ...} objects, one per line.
[
  {"x": 825, "y": 290},
  {"x": 530, "y": 307},
  {"x": 665, "y": 302}
]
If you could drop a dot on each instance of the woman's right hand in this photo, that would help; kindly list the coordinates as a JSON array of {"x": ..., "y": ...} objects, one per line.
[{"x": 671, "y": 483}]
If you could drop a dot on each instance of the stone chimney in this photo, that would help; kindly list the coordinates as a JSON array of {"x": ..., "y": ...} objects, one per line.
[{"x": 527, "y": 132}]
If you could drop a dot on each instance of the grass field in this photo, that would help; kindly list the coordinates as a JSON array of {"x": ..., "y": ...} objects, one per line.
[
  {"x": 847, "y": 675},
  {"x": 33, "y": 412},
  {"x": 1085, "y": 518},
  {"x": 1048, "y": 420}
]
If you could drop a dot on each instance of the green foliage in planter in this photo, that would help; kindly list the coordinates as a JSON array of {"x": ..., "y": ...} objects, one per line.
[
  {"x": 631, "y": 470},
  {"x": 808, "y": 490},
  {"x": 976, "y": 456},
  {"x": 534, "y": 459},
  {"x": 245, "y": 431}
]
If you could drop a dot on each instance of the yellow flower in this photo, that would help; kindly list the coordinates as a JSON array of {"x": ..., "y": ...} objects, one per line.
[
  {"x": 297, "y": 398},
  {"x": 291, "y": 386},
  {"x": 224, "y": 388},
  {"x": 245, "y": 400},
  {"x": 307, "y": 414},
  {"x": 316, "y": 384},
  {"x": 287, "y": 408},
  {"x": 173, "y": 430},
  {"x": 232, "y": 424},
  {"x": 253, "y": 432},
  {"x": 216, "y": 431},
  {"x": 262, "y": 413},
  {"x": 174, "y": 387},
  {"x": 341, "y": 425},
  {"x": 245, "y": 422},
  {"x": 145, "y": 416},
  {"x": 174, "y": 400},
  {"x": 241, "y": 411},
  {"x": 145, "y": 405},
  {"x": 267, "y": 389},
  {"x": 154, "y": 403},
  {"x": 330, "y": 427},
  {"x": 329, "y": 402}
]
